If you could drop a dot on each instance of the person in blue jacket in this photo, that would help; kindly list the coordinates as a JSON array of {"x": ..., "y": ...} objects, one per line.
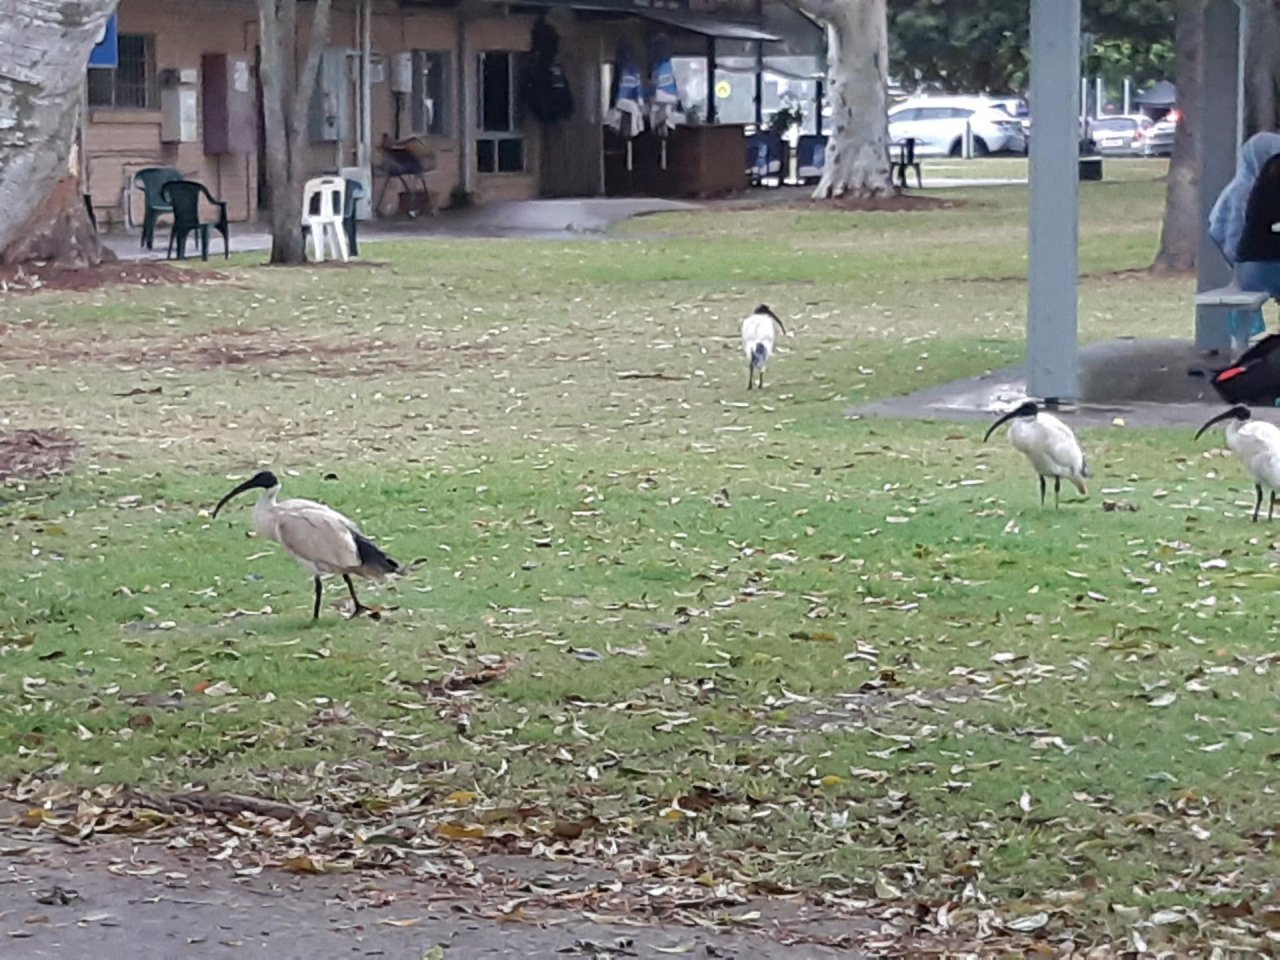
[{"x": 1244, "y": 214}]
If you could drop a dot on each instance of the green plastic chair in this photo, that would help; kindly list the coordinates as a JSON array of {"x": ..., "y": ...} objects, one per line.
[
  {"x": 151, "y": 180},
  {"x": 183, "y": 197}
]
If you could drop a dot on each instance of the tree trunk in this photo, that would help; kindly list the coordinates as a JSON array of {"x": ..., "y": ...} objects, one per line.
[
  {"x": 44, "y": 50},
  {"x": 857, "y": 158},
  {"x": 1180, "y": 232},
  {"x": 1261, "y": 65},
  {"x": 285, "y": 116}
]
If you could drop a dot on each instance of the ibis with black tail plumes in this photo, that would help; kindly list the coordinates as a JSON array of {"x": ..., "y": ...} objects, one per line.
[
  {"x": 1257, "y": 444},
  {"x": 1049, "y": 444},
  {"x": 757, "y": 342},
  {"x": 321, "y": 539}
]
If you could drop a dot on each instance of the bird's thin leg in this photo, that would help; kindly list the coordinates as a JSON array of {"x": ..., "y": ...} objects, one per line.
[
  {"x": 1057, "y": 488},
  {"x": 1042, "y": 491},
  {"x": 751, "y": 377},
  {"x": 315, "y": 613},
  {"x": 1257, "y": 505},
  {"x": 360, "y": 607}
]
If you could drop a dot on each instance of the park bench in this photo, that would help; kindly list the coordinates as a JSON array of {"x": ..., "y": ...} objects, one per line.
[{"x": 1226, "y": 317}]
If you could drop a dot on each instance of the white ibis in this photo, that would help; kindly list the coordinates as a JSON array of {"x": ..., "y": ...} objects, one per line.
[
  {"x": 757, "y": 341},
  {"x": 1050, "y": 446},
  {"x": 1257, "y": 444},
  {"x": 318, "y": 537}
]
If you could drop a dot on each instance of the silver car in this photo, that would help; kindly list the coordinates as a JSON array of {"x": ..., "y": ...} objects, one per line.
[
  {"x": 1118, "y": 136},
  {"x": 1157, "y": 139}
]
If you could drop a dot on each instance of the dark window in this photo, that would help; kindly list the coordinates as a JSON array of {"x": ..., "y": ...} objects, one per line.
[
  {"x": 499, "y": 146},
  {"x": 131, "y": 85},
  {"x": 496, "y": 93},
  {"x": 431, "y": 105}
]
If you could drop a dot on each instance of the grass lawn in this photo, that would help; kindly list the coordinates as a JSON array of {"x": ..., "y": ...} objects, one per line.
[{"x": 738, "y": 640}]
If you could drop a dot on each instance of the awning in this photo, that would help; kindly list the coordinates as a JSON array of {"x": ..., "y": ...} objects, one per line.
[{"x": 707, "y": 26}]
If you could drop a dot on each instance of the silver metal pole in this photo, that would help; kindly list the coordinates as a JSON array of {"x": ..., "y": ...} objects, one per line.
[
  {"x": 1128, "y": 96},
  {"x": 1055, "y": 222},
  {"x": 1219, "y": 119},
  {"x": 1099, "y": 96}
]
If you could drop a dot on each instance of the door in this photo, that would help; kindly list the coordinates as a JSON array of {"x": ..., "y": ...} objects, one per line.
[{"x": 572, "y": 150}]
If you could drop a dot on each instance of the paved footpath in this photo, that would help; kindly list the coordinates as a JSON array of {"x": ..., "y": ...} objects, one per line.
[{"x": 69, "y": 903}]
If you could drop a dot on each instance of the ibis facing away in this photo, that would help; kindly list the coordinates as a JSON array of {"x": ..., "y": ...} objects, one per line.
[
  {"x": 757, "y": 342},
  {"x": 1257, "y": 444},
  {"x": 1049, "y": 444},
  {"x": 321, "y": 539}
]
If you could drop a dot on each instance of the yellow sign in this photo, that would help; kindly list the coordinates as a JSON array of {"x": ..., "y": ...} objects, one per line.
[{"x": 723, "y": 89}]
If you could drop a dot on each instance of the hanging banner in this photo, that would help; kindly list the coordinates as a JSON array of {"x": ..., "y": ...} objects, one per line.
[{"x": 106, "y": 55}]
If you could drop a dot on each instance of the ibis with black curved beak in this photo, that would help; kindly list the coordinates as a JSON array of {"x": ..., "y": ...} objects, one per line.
[
  {"x": 321, "y": 539},
  {"x": 1049, "y": 444},
  {"x": 1257, "y": 444},
  {"x": 757, "y": 342}
]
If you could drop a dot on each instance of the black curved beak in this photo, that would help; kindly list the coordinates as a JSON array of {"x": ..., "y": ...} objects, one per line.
[
  {"x": 1225, "y": 415},
  {"x": 776, "y": 319},
  {"x": 247, "y": 485},
  {"x": 1005, "y": 419}
]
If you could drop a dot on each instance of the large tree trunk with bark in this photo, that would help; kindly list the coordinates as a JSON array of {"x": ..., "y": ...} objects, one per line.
[
  {"x": 286, "y": 102},
  {"x": 44, "y": 50},
  {"x": 1262, "y": 67},
  {"x": 857, "y": 159},
  {"x": 1180, "y": 232}
]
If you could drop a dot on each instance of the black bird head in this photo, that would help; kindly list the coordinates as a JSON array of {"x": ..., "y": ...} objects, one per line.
[
  {"x": 764, "y": 310},
  {"x": 1238, "y": 412},
  {"x": 1027, "y": 409},
  {"x": 264, "y": 479}
]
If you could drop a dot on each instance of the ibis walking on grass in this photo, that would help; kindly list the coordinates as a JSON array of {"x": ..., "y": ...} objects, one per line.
[
  {"x": 757, "y": 342},
  {"x": 1049, "y": 444},
  {"x": 321, "y": 539},
  {"x": 1257, "y": 444}
]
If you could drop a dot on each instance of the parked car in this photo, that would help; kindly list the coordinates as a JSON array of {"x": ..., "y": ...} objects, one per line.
[
  {"x": 1157, "y": 139},
  {"x": 938, "y": 126},
  {"x": 1118, "y": 136}
]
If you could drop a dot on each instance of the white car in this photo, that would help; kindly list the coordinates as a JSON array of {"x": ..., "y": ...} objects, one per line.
[{"x": 938, "y": 126}]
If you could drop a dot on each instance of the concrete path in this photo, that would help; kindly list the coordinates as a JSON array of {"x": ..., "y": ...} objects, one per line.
[
  {"x": 120, "y": 900},
  {"x": 525, "y": 218},
  {"x": 1144, "y": 383}
]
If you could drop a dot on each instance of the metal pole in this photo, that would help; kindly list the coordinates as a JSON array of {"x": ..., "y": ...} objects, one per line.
[
  {"x": 1099, "y": 96},
  {"x": 365, "y": 154},
  {"x": 820, "y": 89},
  {"x": 1055, "y": 216},
  {"x": 1219, "y": 117},
  {"x": 467, "y": 102},
  {"x": 1128, "y": 95},
  {"x": 1084, "y": 100}
]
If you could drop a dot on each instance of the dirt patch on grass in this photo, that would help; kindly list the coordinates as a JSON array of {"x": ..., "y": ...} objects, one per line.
[
  {"x": 793, "y": 198},
  {"x": 34, "y": 454},
  {"x": 39, "y": 277},
  {"x": 276, "y": 351}
]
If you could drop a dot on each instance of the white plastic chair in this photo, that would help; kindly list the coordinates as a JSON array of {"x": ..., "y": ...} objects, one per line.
[{"x": 323, "y": 202}]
